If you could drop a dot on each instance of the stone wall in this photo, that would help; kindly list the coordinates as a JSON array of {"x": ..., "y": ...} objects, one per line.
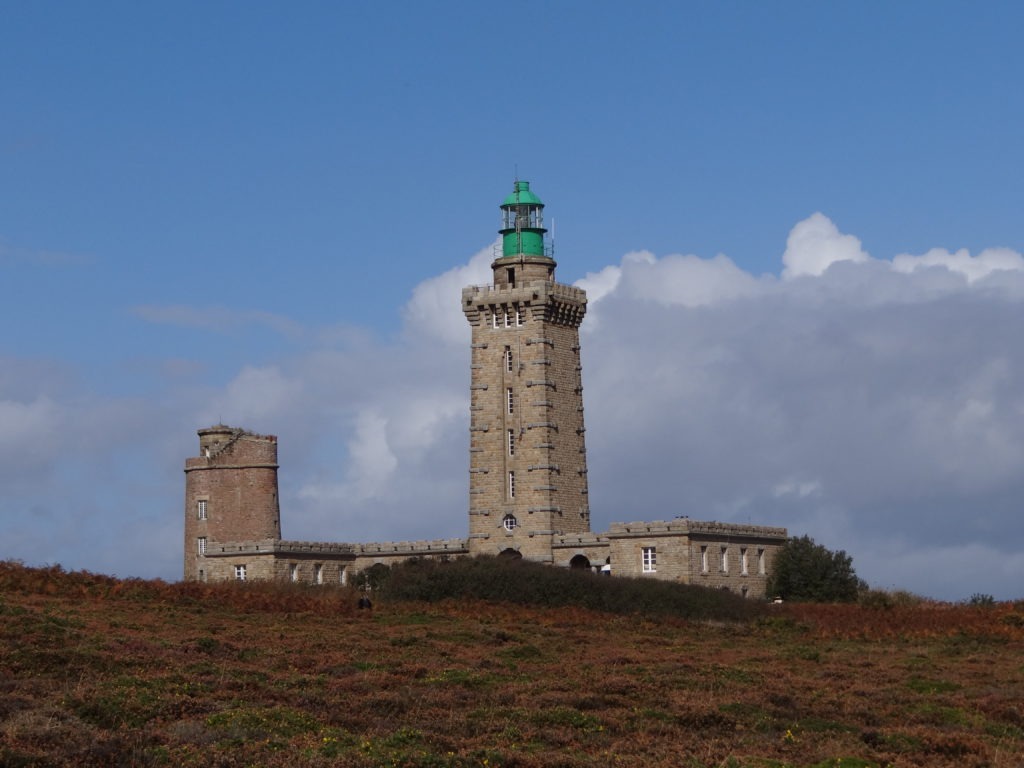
[{"x": 230, "y": 492}]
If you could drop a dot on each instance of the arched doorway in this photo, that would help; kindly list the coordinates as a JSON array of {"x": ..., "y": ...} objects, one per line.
[
  {"x": 580, "y": 562},
  {"x": 510, "y": 554}
]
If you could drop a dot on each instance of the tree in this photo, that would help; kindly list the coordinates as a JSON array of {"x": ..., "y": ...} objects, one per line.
[{"x": 809, "y": 572}]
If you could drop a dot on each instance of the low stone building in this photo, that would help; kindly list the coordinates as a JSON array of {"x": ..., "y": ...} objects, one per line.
[{"x": 528, "y": 489}]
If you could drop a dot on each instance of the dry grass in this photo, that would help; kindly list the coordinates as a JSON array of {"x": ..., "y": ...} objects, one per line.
[{"x": 100, "y": 672}]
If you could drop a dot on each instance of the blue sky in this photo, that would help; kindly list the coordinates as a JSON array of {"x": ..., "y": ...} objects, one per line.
[{"x": 262, "y": 213}]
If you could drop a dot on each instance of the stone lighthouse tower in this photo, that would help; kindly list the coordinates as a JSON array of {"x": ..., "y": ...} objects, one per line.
[{"x": 528, "y": 462}]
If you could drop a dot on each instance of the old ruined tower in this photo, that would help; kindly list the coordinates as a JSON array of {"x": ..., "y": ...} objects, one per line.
[
  {"x": 230, "y": 495},
  {"x": 528, "y": 462}
]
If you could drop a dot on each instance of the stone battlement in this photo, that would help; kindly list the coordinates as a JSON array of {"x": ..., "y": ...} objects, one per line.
[
  {"x": 580, "y": 540},
  {"x": 454, "y": 546},
  {"x": 273, "y": 546},
  {"x": 682, "y": 525},
  {"x": 529, "y": 289}
]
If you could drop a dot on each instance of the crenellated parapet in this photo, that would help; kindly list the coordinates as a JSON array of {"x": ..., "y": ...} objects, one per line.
[
  {"x": 542, "y": 300},
  {"x": 434, "y": 547},
  {"x": 685, "y": 527},
  {"x": 580, "y": 540}
]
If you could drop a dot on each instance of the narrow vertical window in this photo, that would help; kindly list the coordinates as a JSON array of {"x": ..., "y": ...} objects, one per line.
[
  {"x": 743, "y": 560},
  {"x": 201, "y": 509},
  {"x": 519, "y": 317},
  {"x": 510, "y": 274},
  {"x": 511, "y": 443},
  {"x": 649, "y": 559},
  {"x": 511, "y": 485},
  {"x": 494, "y": 317},
  {"x": 510, "y": 399},
  {"x": 201, "y": 542},
  {"x": 508, "y": 318},
  {"x": 293, "y": 572},
  {"x": 760, "y": 561},
  {"x": 318, "y": 573},
  {"x": 725, "y": 560},
  {"x": 343, "y": 575},
  {"x": 240, "y": 572},
  {"x": 704, "y": 559},
  {"x": 508, "y": 359}
]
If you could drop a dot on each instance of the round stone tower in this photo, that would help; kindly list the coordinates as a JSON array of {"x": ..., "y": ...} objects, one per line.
[
  {"x": 230, "y": 494},
  {"x": 528, "y": 463}
]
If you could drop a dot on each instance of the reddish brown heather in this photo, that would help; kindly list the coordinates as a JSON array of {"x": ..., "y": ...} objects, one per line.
[{"x": 100, "y": 672}]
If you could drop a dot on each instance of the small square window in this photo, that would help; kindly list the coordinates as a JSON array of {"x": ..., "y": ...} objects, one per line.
[{"x": 240, "y": 572}]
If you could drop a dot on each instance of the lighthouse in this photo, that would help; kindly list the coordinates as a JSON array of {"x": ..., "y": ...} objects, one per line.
[{"x": 527, "y": 454}]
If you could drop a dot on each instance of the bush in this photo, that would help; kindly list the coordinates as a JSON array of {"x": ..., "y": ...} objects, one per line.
[
  {"x": 805, "y": 571},
  {"x": 882, "y": 598},
  {"x": 524, "y": 583}
]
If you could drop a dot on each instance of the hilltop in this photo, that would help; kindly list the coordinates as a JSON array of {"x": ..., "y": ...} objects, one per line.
[{"x": 97, "y": 671}]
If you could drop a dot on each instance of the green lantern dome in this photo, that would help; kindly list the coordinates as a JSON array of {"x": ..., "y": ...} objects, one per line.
[{"x": 522, "y": 223}]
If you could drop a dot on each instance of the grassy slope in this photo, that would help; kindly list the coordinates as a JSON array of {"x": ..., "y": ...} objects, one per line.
[{"x": 95, "y": 672}]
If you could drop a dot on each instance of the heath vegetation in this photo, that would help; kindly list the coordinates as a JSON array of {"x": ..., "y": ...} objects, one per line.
[{"x": 482, "y": 664}]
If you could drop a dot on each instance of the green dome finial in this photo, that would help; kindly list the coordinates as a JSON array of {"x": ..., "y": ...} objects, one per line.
[{"x": 522, "y": 223}]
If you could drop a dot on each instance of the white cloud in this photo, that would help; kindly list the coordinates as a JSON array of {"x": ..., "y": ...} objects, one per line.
[
  {"x": 686, "y": 281},
  {"x": 815, "y": 244},
  {"x": 961, "y": 262},
  {"x": 434, "y": 310},
  {"x": 798, "y": 488},
  {"x": 256, "y": 395}
]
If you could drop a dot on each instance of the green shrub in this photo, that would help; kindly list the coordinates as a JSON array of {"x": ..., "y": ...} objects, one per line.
[
  {"x": 805, "y": 571},
  {"x": 524, "y": 583}
]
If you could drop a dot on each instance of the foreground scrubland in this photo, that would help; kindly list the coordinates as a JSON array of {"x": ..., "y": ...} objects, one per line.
[{"x": 100, "y": 672}]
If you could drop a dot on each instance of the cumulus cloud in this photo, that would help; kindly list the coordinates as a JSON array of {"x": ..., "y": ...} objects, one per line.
[
  {"x": 434, "y": 309},
  {"x": 815, "y": 244},
  {"x": 866, "y": 403},
  {"x": 876, "y": 405}
]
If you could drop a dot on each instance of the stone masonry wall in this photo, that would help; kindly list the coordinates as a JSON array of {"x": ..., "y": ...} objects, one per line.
[
  {"x": 527, "y": 458},
  {"x": 231, "y": 492}
]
